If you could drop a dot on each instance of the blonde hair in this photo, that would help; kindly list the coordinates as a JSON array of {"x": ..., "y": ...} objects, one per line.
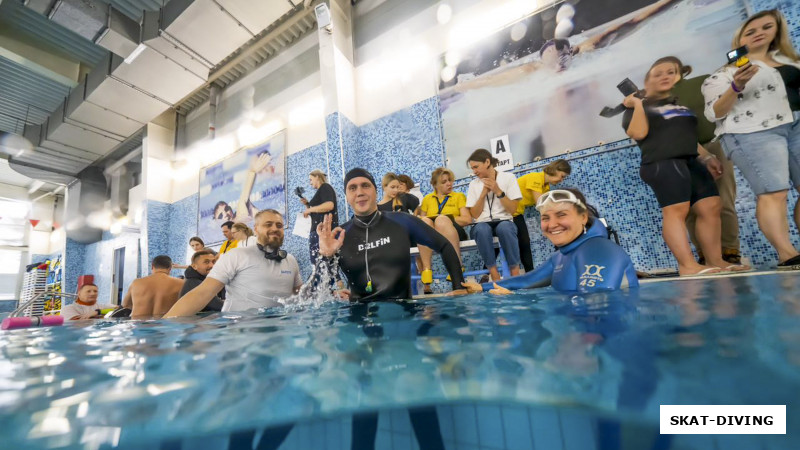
[
  {"x": 781, "y": 43},
  {"x": 239, "y": 226},
  {"x": 388, "y": 178},
  {"x": 319, "y": 174},
  {"x": 437, "y": 175}
]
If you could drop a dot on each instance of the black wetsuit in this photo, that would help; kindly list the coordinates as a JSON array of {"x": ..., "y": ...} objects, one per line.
[{"x": 386, "y": 242}]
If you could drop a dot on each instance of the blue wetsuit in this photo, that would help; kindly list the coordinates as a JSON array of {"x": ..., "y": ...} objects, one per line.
[{"x": 588, "y": 264}]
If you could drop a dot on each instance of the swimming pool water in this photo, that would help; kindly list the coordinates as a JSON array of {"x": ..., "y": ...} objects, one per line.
[{"x": 536, "y": 369}]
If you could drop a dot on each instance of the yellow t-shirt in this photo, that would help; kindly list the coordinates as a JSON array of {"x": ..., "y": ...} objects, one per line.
[
  {"x": 533, "y": 181},
  {"x": 455, "y": 201},
  {"x": 228, "y": 245}
]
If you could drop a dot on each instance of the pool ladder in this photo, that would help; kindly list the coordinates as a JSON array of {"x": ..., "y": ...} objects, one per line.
[{"x": 35, "y": 306}]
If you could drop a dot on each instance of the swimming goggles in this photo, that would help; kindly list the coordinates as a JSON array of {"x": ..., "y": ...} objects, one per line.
[{"x": 558, "y": 196}]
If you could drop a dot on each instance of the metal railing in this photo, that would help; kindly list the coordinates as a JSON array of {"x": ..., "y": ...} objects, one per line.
[{"x": 27, "y": 308}]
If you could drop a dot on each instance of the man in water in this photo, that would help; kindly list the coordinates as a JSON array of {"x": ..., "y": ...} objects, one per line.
[
  {"x": 202, "y": 262},
  {"x": 85, "y": 306},
  {"x": 375, "y": 258},
  {"x": 255, "y": 276},
  {"x": 155, "y": 294},
  {"x": 375, "y": 245}
]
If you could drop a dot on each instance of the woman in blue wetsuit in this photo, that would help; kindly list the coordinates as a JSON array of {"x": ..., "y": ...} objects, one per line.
[{"x": 586, "y": 260}]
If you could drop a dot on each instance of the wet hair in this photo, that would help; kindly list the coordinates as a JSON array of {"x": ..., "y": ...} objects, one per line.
[
  {"x": 388, "y": 178},
  {"x": 405, "y": 179},
  {"x": 268, "y": 211},
  {"x": 782, "y": 42},
  {"x": 437, "y": 175},
  {"x": 559, "y": 43},
  {"x": 481, "y": 155},
  {"x": 203, "y": 252},
  {"x": 197, "y": 239},
  {"x": 239, "y": 226},
  {"x": 684, "y": 71},
  {"x": 590, "y": 210},
  {"x": 559, "y": 165},
  {"x": 162, "y": 262},
  {"x": 228, "y": 224},
  {"x": 319, "y": 174}
]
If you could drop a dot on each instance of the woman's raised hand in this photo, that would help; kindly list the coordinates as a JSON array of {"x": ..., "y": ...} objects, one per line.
[{"x": 744, "y": 74}]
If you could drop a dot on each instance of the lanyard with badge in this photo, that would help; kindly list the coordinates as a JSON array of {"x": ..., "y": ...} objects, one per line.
[{"x": 442, "y": 203}]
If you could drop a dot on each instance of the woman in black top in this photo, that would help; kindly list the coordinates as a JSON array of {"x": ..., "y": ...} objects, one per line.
[
  {"x": 323, "y": 202},
  {"x": 667, "y": 136},
  {"x": 393, "y": 197}
]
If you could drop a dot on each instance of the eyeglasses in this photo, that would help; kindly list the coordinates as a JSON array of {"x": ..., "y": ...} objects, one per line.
[{"x": 558, "y": 196}]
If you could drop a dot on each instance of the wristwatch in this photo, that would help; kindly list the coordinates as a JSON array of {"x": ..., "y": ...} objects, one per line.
[{"x": 502, "y": 194}]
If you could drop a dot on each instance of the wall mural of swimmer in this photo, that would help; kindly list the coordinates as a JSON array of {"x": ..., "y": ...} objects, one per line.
[
  {"x": 544, "y": 80},
  {"x": 237, "y": 187}
]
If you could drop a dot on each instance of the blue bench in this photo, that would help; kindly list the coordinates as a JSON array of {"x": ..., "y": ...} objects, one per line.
[{"x": 466, "y": 246}]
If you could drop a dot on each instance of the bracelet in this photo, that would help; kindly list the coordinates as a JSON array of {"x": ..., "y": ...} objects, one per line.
[{"x": 735, "y": 89}]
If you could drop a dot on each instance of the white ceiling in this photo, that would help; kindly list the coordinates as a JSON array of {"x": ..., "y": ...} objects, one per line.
[{"x": 11, "y": 177}]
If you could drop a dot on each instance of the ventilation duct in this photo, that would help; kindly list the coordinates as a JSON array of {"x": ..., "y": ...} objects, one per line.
[{"x": 86, "y": 198}]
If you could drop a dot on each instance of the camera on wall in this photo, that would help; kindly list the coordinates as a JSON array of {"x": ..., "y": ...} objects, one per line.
[{"x": 323, "y": 14}]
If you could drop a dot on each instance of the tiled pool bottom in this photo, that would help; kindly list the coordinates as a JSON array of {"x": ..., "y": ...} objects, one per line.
[{"x": 532, "y": 370}]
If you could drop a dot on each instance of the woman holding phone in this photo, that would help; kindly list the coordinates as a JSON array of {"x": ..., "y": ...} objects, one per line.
[
  {"x": 756, "y": 108},
  {"x": 667, "y": 136}
]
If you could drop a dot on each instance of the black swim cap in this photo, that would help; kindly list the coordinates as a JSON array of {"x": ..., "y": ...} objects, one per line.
[{"x": 358, "y": 172}]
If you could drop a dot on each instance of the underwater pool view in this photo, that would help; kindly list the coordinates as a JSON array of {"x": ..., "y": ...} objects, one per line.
[{"x": 536, "y": 369}]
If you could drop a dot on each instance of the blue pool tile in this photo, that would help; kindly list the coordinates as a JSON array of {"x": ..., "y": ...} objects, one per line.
[
  {"x": 490, "y": 427},
  {"x": 516, "y": 425},
  {"x": 401, "y": 441},
  {"x": 465, "y": 424},
  {"x": 400, "y": 421},
  {"x": 578, "y": 431},
  {"x": 546, "y": 429},
  {"x": 445, "y": 414},
  {"x": 383, "y": 440}
]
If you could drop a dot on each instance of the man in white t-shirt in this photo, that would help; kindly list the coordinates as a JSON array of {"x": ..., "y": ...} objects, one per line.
[
  {"x": 492, "y": 200},
  {"x": 86, "y": 306},
  {"x": 254, "y": 276}
]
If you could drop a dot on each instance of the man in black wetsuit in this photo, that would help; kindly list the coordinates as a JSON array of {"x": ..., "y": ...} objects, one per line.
[
  {"x": 374, "y": 256},
  {"x": 374, "y": 245}
]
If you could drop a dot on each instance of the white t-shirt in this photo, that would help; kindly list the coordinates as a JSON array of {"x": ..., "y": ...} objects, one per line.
[
  {"x": 493, "y": 207},
  {"x": 251, "y": 241},
  {"x": 76, "y": 309},
  {"x": 252, "y": 281}
]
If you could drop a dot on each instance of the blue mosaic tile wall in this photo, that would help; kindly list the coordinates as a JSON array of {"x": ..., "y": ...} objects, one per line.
[
  {"x": 158, "y": 232},
  {"x": 335, "y": 154},
  {"x": 299, "y": 165},
  {"x": 97, "y": 259},
  {"x": 182, "y": 226},
  {"x": 790, "y": 11}
]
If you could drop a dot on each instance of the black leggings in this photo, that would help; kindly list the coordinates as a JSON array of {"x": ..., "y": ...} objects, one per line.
[{"x": 525, "y": 255}]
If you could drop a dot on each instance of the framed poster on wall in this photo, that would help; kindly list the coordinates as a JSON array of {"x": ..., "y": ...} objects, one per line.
[
  {"x": 238, "y": 186},
  {"x": 544, "y": 79}
]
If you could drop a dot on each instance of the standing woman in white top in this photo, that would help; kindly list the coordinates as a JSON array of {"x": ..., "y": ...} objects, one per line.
[
  {"x": 243, "y": 234},
  {"x": 756, "y": 108},
  {"x": 492, "y": 199}
]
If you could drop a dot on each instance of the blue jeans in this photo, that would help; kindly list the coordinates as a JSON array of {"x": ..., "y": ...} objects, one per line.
[
  {"x": 506, "y": 232},
  {"x": 768, "y": 159}
]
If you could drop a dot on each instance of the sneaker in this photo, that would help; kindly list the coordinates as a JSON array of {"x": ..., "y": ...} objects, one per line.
[
  {"x": 426, "y": 289},
  {"x": 790, "y": 264}
]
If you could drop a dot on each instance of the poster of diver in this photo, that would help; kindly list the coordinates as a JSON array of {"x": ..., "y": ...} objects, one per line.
[
  {"x": 237, "y": 187},
  {"x": 544, "y": 80}
]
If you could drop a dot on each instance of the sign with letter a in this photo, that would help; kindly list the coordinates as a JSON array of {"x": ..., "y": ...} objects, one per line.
[{"x": 502, "y": 151}]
